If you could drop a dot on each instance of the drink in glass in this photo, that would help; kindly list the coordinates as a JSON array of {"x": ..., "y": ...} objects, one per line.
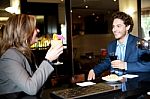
[{"x": 112, "y": 57}]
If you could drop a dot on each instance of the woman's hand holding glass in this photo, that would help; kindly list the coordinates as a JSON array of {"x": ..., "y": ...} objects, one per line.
[{"x": 54, "y": 52}]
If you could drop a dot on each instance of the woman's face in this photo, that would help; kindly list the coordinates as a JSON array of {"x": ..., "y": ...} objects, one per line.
[{"x": 34, "y": 38}]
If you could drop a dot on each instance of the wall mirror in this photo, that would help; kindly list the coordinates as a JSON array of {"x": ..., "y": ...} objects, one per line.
[
  {"x": 145, "y": 19},
  {"x": 92, "y": 16},
  {"x": 91, "y": 28},
  {"x": 91, "y": 24}
]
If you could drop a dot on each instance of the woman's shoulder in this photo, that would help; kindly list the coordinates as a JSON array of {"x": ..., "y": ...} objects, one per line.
[{"x": 12, "y": 53}]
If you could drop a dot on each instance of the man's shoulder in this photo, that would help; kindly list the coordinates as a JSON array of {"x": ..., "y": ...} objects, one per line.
[
  {"x": 133, "y": 36},
  {"x": 112, "y": 42}
]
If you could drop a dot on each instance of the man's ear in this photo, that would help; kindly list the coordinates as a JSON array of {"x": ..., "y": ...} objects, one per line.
[{"x": 127, "y": 27}]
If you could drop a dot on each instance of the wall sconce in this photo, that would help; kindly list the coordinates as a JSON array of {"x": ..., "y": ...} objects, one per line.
[
  {"x": 12, "y": 10},
  {"x": 14, "y": 7}
]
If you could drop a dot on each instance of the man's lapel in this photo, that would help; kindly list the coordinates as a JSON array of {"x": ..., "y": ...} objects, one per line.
[{"x": 128, "y": 47}]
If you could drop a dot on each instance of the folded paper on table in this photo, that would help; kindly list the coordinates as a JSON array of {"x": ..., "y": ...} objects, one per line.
[
  {"x": 130, "y": 76},
  {"x": 88, "y": 83}
]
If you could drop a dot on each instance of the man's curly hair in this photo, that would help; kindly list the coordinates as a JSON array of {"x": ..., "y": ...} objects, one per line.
[{"x": 127, "y": 19}]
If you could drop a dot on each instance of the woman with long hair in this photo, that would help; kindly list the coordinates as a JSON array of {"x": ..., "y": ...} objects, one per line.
[{"x": 18, "y": 71}]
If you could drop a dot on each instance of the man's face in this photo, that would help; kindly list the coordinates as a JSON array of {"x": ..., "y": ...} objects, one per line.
[{"x": 119, "y": 29}]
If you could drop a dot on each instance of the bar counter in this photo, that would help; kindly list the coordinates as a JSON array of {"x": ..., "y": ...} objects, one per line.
[
  {"x": 127, "y": 89},
  {"x": 107, "y": 90},
  {"x": 99, "y": 89}
]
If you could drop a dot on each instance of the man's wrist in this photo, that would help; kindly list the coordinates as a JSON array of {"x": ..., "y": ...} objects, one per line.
[{"x": 125, "y": 65}]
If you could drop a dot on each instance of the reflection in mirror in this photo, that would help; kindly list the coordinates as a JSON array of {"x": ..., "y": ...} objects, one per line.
[
  {"x": 91, "y": 30},
  {"x": 145, "y": 19},
  {"x": 92, "y": 16},
  {"x": 62, "y": 21}
]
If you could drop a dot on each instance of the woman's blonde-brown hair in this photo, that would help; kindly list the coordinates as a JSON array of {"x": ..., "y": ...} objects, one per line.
[{"x": 17, "y": 33}]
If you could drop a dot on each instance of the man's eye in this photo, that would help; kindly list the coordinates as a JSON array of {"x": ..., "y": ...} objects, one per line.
[{"x": 118, "y": 26}]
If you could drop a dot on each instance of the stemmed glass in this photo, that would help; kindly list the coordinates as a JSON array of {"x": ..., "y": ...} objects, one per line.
[
  {"x": 54, "y": 43},
  {"x": 58, "y": 62},
  {"x": 117, "y": 71}
]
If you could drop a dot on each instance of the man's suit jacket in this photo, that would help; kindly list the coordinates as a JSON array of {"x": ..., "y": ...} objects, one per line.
[{"x": 132, "y": 57}]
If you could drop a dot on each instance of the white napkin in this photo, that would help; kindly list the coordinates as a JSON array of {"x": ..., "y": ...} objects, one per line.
[
  {"x": 130, "y": 76},
  {"x": 88, "y": 83},
  {"x": 148, "y": 93}
]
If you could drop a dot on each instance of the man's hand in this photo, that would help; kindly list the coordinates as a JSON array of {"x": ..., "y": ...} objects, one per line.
[
  {"x": 118, "y": 64},
  {"x": 91, "y": 75}
]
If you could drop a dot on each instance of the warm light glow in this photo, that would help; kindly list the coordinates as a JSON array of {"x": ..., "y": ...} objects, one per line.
[
  {"x": 147, "y": 38},
  {"x": 97, "y": 17},
  {"x": 86, "y": 6},
  {"x": 79, "y": 16},
  {"x": 14, "y": 7},
  {"x": 4, "y": 18},
  {"x": 43, "y": 42},
  {"x": 63, "y": 32},
  {"x": 45, "y": 1},
  {"x": 93, "y": 13},
  {"x": 39, "y": 17},
  {"x": 12, "y": 10},
  {"x": 130, "y": 11}
]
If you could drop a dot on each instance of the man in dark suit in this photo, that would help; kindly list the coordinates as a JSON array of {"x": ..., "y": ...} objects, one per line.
[{"x": 125, "y": 47}]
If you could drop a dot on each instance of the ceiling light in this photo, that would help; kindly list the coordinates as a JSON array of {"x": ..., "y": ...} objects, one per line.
[
  {"x": 86, "y": 6},
  {"x": 93, "y": 13},
  {"x": 79, "y": 16},
  {"x": 97, "y": 17},
  {"x": 12, "y": 10},
  {"x": 84, "y": 0}
]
